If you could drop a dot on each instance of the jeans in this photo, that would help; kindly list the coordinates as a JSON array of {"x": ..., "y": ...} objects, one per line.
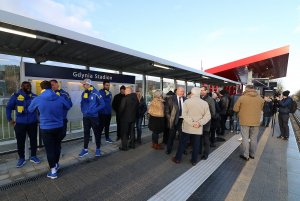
[
  {"x": 266, "y": 121},
  {"x": 182, "y": 145},
  {"x": 51, "y": 139},
  {"x": 21, "y": 130},
  {"x": 138, "y": 124},
  {"x": 249, "y": 132},
  {"x": 88, "y": 123},
  {"x": 104, "y": 124}
]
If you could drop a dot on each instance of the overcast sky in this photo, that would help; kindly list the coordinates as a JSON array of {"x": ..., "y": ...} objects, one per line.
[{"x": 183, "y": 31}]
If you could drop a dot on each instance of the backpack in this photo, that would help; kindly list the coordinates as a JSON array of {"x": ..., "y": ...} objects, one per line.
[{"x": 293, "y": 107}]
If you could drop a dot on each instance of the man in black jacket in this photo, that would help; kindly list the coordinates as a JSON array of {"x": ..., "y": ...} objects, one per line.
[
  {"x": 116, "y": 105},
  {"x": 284, "y": 104},
  {"x": 127, "y": 112},
  {"x": 173, "y": 111},
  {"x": 224, "y": 103},
  {"x": 206, "y": 128}
]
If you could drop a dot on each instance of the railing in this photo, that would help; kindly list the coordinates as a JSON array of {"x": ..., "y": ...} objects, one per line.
[{"x": 297, "y": 116}]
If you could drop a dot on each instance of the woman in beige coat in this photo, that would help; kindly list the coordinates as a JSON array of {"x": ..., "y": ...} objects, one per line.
[
  {"x": 195, "y": 114},
  {"x": 156, "y": 118}
]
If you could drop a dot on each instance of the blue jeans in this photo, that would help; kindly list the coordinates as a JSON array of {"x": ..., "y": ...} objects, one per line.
[
  {"x": 138, "y": 124},
  {"x": 266, "y": 121},
  {"x": 182, "y": 145}
]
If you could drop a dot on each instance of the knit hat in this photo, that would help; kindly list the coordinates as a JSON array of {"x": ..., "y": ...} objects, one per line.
[{"x": 286, "y": 93}]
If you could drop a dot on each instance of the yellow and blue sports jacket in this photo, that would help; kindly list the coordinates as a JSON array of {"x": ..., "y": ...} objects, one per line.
[
  {"x": 107, "y": 97},
  {"x": 20, "y": 101},
  {"x": 66, "y": 96},
  {"x": 91, "y": 102},
  {"x": 51, "y": 108}
]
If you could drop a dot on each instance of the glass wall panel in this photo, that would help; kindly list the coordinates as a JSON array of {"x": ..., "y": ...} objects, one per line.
[
  {"x": 168, "y": 85},
  {"x": 152, "y": 84},
  {"x": 190, "y": 85},
  {"x": 9, "y": 83}
]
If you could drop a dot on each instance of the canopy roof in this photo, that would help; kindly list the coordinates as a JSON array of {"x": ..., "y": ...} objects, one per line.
[
  {"x": 271, "y": 64},
  {"x": 45, "y": 42}
]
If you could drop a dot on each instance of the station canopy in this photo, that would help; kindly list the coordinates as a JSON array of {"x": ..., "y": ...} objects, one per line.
[
  {"x": 26, "y": 37},
  {"x": 270, "y": 65}
]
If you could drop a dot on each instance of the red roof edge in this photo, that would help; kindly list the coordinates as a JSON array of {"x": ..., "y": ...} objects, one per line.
[{"x": 248, "y": 60}]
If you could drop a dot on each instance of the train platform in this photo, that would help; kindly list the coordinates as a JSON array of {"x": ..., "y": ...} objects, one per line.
[{"x": 147, "y": 174}]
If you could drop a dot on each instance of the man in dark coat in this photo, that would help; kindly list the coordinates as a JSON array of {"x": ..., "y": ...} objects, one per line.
[
  {"x": 206, "y": 128},
  {"x": 116, "y": 105},
  {"x": 127, "y": 112},
  {"x": 224, "y": 103},
  {"x": 173, "y": 113}
]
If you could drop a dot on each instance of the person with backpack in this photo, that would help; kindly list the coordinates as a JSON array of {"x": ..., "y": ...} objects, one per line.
[{"x": 285, "y": 108}]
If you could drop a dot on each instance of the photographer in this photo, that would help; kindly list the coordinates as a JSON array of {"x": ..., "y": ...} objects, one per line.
[{"x": 284, "y": 104}]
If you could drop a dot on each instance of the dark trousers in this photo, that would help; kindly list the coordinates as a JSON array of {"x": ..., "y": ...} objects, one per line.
[
  {"x": 182, "y": 145},
  {"x": 21, "y": 130},
  {"x": 63, "y": 133},
  {"x": 104, "y": 124},
  {"x": 223, "y": 123},
  {"x": 118, "y": 126},
  {"x": 172, "y": 134},
  {"x": 283, "y": 120},
  {"x": 138, "y": 124},
  {"x": 52, "y": 139},
  {"x": 204, "y": 140},
  {"x": 127, "y": 130},
  {"x": 88, "y": 123},
  {"x": 212, "y": 134},
  {"x": 155, "y": 137}
]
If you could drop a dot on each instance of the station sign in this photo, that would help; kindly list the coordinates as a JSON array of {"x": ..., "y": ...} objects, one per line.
[{"x": 46, "y": 71}]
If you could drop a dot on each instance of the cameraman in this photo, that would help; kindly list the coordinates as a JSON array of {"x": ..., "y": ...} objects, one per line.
[{"x": 284, "y": 104}]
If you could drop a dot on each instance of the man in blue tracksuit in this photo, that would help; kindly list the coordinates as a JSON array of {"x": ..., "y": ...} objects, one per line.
[
  {"x": 66, "y": 96},
  {"x": 91, "y": 104},
  {"x": 105, "y": 113},
  {"x": 26, "y": 122},
  {"x": 51, "y": 108}
]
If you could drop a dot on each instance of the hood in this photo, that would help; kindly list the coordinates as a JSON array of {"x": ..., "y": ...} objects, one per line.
[
  {"x": 251, "y": 92},
  {"x": 49, "y": 95}
]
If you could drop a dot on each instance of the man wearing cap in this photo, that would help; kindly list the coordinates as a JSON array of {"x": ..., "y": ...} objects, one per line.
[
  {"x": 116, "y": 105},
  {"x": 105, "y": 114},
  {"x": 26, "y": 122},
  {"x": 91, "y": 104},
  {"x": 284, "y": 105},
  {"x": 66, "y": 96}
]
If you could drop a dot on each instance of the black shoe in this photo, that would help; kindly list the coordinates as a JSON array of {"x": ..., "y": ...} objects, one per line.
[
  {"x": 204, "y": 157},
  {"x": 123, "y": 149},
  {"x": 168, "y": 152},
  {"x": 285, "y": 138},
  {"x": 252, "y": 157},
  {"x": 193, "y": 163},
  {"x": 243, "y": 157},
  {"x": 175, "y": 160},
  {"x": 280, "y": 137}
]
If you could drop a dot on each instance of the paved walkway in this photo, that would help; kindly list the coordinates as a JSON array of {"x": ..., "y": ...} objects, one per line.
[{"x": 142, "y": 173}]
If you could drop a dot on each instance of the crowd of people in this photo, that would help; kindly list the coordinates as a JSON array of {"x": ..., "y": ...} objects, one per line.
[{"x": 195, "y": 120}]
